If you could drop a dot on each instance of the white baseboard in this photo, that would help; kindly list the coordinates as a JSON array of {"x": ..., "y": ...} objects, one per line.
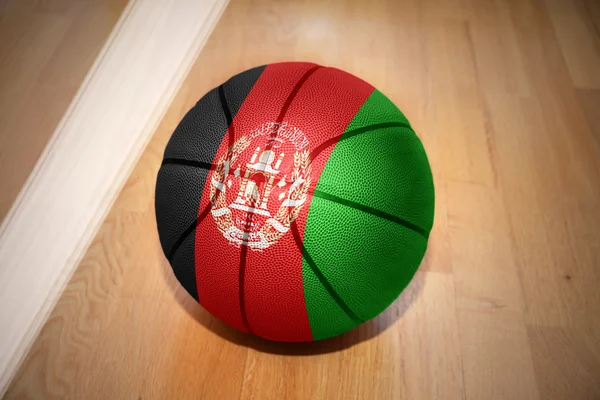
[{"x": 91, "y": 153}]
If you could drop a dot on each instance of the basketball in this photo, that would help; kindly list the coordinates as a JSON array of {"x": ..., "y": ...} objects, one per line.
[{"x": 294, "y": 202}]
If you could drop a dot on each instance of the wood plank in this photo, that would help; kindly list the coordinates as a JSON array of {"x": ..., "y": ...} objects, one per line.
[
  {"x": 466, "y": 154},
  {"x": 566, "y": 365},
  {"x": 499, "y": 63},
  {"x": 414, "y": 345},
  {"x": 578, "y": 40},
  {"x": 505, "y": 303},
  {"x": 88, "y": 159},
  {"x": 589, "y": 101},
  {"x": 556, "y": 173},
  {"x": 489, "y": 302},
  {"x": 45, "y": 53}
]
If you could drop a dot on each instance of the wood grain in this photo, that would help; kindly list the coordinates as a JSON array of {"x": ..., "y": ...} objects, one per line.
[
  {"x": 505, "y": 305},
  {"x": 46, "y": 49},
  {"x": 88, "y": 159}
]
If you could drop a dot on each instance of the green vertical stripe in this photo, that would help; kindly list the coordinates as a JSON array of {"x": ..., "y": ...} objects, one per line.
[{"x": 366, "y": 259}]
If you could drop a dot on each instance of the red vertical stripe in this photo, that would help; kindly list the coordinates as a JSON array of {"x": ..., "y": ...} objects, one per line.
[{"x": 273, "y": 293}]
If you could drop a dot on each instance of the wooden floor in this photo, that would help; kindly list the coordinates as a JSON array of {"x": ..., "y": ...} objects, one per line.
[
  {"x": 505, "y": 95},
  {"x": 46, "y": 50}
]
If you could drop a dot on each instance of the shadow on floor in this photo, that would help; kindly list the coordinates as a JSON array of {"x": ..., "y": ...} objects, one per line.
[{"x": 364, "y": 332}]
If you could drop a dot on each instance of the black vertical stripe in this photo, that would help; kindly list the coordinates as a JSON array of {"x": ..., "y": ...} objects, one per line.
[
  {"x": 179, "y": 187},
  {"x": 201, "y": 131}
]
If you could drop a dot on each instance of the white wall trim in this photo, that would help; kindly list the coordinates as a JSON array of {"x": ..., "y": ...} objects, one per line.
[{"x": 88, "y": 159}]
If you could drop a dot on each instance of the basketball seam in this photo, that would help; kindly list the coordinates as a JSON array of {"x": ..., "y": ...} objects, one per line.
[
  {"x": 189, "y": 163},
  {"x": 334, "y": 140},
  {"x": 295, "y": 232},
  {"x": 343, "y": 136},
  {"x": 199, "y": 164},
  {"x": 373, "y": 211},
  {"x": 225, "y": 106},
  {"x": 319, "y": 274},
  {"x": 244, "y": 249},
  {"x": 355, "y": 132}
]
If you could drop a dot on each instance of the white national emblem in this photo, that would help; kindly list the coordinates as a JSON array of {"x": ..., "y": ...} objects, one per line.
[{"x": 255, "y": 202}]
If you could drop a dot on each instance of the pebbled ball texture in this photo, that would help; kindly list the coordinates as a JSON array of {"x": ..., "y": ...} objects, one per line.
[{"x": 294, "y": 202}]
